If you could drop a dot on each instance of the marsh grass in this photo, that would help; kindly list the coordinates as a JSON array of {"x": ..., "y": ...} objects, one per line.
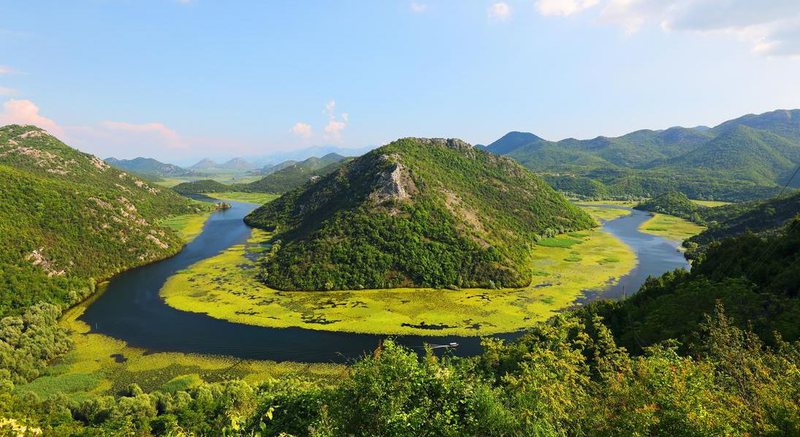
[
  {"x": 237, "y": 196},
  {"x": 99, "y": 364},
  {"x": 187, "y": 226},
  {"x": 225, "y": 287},
  {"x": 670, "y": 227}
]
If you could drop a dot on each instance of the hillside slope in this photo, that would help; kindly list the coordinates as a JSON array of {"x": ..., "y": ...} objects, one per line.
[
  {"x": 295, "y": 175},
  {"x": 68, "y": 216},
  {"x": 741, "y": 159},
  {"x": 416, "y": 212}
]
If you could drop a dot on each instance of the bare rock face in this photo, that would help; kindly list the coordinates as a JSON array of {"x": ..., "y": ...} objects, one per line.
[
  {"x": 452, "y": 143},
  {"x": 394, "y": 184}
]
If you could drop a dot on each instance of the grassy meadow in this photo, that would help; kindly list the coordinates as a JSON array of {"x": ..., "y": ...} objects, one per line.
[
  {"x": 187, "y": 226},
  {"x": 238, "y": 196},
  {"x": 670, "y": 227},
  {"x": 710, "y": 203}
]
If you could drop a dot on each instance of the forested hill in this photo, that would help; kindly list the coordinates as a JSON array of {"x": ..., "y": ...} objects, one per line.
[
  {"x": 674, "y": 203},
  {"x": 422, "y": 212},
  {"x": 68, "y": 216},
  {"x": 148, "y": 167},
  {"x": 742, "y": 159},
  {"x": 755, "y": 278}
]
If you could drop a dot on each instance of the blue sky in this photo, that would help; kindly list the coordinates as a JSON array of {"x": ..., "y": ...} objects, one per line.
[{"x": 179, "y": 80}]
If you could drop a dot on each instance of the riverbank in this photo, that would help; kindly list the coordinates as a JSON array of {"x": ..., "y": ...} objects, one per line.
[
  {"x": 225, "y": 287},
  {"x": 101, "y": 365}
]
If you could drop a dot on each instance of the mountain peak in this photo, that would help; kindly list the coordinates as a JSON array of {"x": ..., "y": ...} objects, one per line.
[
  {"x": 512, "y": 141},
  {"x": 415, "y": 212}
]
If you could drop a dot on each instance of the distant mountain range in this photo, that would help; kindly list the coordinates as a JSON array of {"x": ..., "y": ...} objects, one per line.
[
  {"x": 278, "y": 179},
  {"x": 147, "y": 167},
  {"x": 748, "y": 157},
  {"x": 236, "y": 165}
]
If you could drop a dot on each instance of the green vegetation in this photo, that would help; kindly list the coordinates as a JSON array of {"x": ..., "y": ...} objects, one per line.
[
  {"x": 757, "y": 279},
  {"x": 202, "y": 186},
  {"x": 187, "y": 226},
  {"x": 69, "y": 220},
  {"x": 710, "y": 203},
  {"x": 417, "y": 212},
  {"x": 281, "y": 180},
  {"x": 238, "y": 196},
  {"x": 294, "y": 176},
  {"x": 759, "y": 217},
  {"x": 670, "y": 227},
  {"x": 99, "y": 365},
  {"x": 226, "y": 287},
  {"x": 673, "y": 203},
  {"x": 148, "y": 167},
  {"x": 547, "y": 383},
  {"x": 744, "y": 159}
]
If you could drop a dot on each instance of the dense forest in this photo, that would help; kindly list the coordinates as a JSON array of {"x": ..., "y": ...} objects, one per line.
[
  {"x": 68, "y": 219},
  {"x": 436, "y": 213},
  {"x": 743, "y": 159}
]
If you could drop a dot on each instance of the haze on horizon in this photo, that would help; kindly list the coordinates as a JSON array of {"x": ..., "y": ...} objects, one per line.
[{"x": 180, "y": 80}]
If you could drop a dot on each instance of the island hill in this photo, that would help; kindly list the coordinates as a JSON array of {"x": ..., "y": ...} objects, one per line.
[{"x": 416, "y": 212}]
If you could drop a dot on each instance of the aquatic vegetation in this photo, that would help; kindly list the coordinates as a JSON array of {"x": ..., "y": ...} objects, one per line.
[
  {"x": 98, "y": 364},
  {"x": 603, "y": 213},
  {"x": 226, "y": 287},
  {"x": 671, "y": 227},
  {"x": 187, "y": 226},
  {"x": 238, "y": 196}
]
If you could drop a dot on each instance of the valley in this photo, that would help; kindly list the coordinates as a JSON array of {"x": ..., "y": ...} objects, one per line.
[{"x": 144, "y": 342}]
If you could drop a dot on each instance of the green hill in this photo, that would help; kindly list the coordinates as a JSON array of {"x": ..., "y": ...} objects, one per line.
[
  {"x": 67, "y": 217},
  {"x": 743, "y": 159},
  {"x": 742, "y": 153},
  {"x": 201, "y": 186},
  {"x": 756, "y": 279},
  {"x": 295, "y": 175},
  {"x": 416, "y": 212},
  {"x": 674, "y": 203},
  {"x": 148, "y": 167},
  {"x": 765, "y": 217}
]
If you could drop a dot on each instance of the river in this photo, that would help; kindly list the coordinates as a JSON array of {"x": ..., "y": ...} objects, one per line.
[{"x": 131, "y": 309}]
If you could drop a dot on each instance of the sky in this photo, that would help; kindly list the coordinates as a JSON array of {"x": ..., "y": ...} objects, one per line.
[{"x": 184, "y": 79}]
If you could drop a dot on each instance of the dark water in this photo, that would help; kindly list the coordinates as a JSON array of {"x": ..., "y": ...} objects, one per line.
[{"x": 131, "y": 309}]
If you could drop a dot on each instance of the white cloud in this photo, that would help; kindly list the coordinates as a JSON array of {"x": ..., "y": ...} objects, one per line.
[
  {"x": 26, "y": 112},
  {"x": 303, "y": 130},
  {"x": 563, "y": 7},
  {"x": 336, "y": 124},
  {"x": 499, "y": 11},
  {"x": 6, "y": 91},
  {"x": 184, "y": 2},
  {"x": 330, "y": 108},
  {"x": 769, "y": 27},
  {"x": 334, "y": 128},
  {"x": 418, "y": 8},
  {"x": 5, "y": 70}
]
